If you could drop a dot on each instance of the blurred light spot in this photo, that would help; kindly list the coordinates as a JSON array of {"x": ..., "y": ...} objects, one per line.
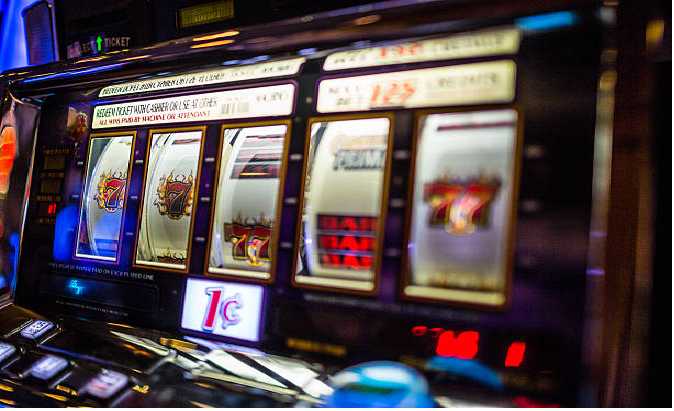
[
  {"x": 547, "y": 21},
  {"x": 229, "y": 33},
  {"x": 212, "y": 44},
  {"x": 144, "y": 56},
  {"x": 362, "y": 21},
  {"x": 654, "y": 32},
  {"x": 515, "y": 354}
]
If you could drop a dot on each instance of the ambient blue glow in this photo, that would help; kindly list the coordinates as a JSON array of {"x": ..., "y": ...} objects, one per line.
[
  {"x": 307, "y": 52},
  {"x": 471, "y": 369},
  {"x": 12, "y": 37},
  {"x": 76, "y": 287},
  {"x": 547, "y": 21},
  {"x": 64, "y": 233},
  {"x": 74, "y": 73},
  {"x": 380, "y": 384}
]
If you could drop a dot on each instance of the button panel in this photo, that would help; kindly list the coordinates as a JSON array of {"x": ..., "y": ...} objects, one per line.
[
  {"x": 106, "y": 384},
  {"x": 48, "y": 367},
  {"x": 6, "y": 351},
  {"x": 37, "y": 329}
]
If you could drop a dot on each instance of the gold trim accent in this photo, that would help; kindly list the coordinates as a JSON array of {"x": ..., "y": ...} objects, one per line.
[
  {"x": 141, "y": 207},
  {"x": 238, "y": 274},
  {"x": 376, "y": 267},
  {"x": 177, "y": 344}
]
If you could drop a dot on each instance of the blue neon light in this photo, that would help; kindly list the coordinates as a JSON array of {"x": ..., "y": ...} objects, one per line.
[
  {"x": 76, "y": 287},
  {"x": 547, "y": 21},
  {"x": 74, "y": 73}
]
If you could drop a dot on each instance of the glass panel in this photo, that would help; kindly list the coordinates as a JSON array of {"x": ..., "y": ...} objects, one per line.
[
  {"x": 104, "y": 197},
  {"x": 462, "y": 210},
  {"x": 168, "y": 200},
  {"x": 245, "y": 207},
  {"x": 344, "y": 184}
]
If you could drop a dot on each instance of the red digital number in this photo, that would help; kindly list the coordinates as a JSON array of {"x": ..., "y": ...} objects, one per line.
[
  {"x": 463, "y": 346},
  {"x": 394, "y": 93}
]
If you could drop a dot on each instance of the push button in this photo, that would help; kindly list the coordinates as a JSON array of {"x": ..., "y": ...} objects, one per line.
[
  {"x": 106, "y": 384},
  {"x": 48, "y": 367},
  {"x": 37, "y": 329},
  {"x": 6, "y": 351}
]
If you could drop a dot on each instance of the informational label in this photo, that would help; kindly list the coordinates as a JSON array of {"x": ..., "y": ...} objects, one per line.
[
  {"x": 462, "y": 207},
  {"x": 464, "y": 45},
  {"x": 224, "y": 105},
  {"x": 270, "y": 69},
  {"x": 223, "y": 308},
  {"x": 244, "y": 218},
  {"x": 478, "y": 83},
  {"x": 342, "y": 203}
]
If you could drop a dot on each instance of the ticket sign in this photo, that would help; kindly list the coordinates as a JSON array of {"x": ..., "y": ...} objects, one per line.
[
  {"x": 226, "y": 309},
  {"x": 244, "y": 220},
  {"x": 167, "y": 212},
  {"x": 343, "y": 190},
  {"x": 477, "y": 83},
  {"x": 206, "y": 78},
  {"x": 104, "y": 196},
  {"x": 266, "y": 101},
  {"x": 464, "y": 45},
  {"x": 462, "y": 213}
]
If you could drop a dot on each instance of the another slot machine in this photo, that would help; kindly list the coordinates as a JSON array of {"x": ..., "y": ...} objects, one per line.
[{"x": 372, "y": 206}]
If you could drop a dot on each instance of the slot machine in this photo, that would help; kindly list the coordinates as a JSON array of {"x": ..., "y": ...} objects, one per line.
[{"x": 388, "y": 205}]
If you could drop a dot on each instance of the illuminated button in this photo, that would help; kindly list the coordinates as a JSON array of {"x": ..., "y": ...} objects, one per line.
[
  {"x": 48, "y": 367},
  {"x": 6, "y": 351},
  {"x": 37, "y": 329},
  {"x": 106, "y": 384}
]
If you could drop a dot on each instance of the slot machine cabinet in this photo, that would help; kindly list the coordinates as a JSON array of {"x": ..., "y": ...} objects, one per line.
[{"x": 235, "y": 222}]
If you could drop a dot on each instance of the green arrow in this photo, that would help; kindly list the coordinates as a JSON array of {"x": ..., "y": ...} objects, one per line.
[{"x": 99, "y": 43}]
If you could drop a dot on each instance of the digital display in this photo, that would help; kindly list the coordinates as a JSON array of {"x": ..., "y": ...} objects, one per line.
[
  {"x": 223, "y": 308},
  {"x": 464, "y": 185},
  {"x": 463, "y": 45},
  {"x": 268, "y": 101},
  {"x": 167, "y": 213},
  {"x": 279, "y": 68},
  {"x": 342, "y": 204},
  {"x": 104, "y": 197},
  {"x": 244, "y": 221},
  {"x": 475, "y": 83}
]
